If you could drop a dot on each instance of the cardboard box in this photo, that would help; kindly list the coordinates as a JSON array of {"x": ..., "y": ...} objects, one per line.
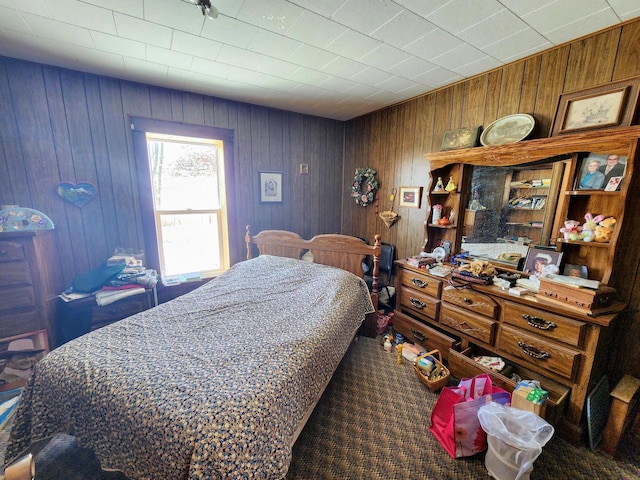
[{"x": 519, "y": 398}]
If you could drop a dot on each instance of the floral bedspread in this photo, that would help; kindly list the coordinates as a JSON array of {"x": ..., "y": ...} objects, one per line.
[{"x": 209, "y": 385}]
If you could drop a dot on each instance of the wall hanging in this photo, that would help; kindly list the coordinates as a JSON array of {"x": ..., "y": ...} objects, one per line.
[
  {"x": 365, "y": 185},
  {"x": 389, "y": 217},
  {"x": 79, "y": 194}
]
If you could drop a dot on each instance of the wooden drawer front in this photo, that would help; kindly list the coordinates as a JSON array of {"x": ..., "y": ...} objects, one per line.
[
  {"x": 17, "y": 323},
  {"x": 422, "y": 283},
  {"x": 420, "y": 334},
  {"x": 11, "y": 252},
  {"x": 536, "y": 351},
  {"x": 15, "y": 273},
  {"x": 471, "y": 300},
  {"x": 119, "y": 310},
  {"x": 17, "y": 298},
  {"x": 419, "y": 303},
  {"x": 544, "y": 323},
  {"x": 469, "y": 323}
]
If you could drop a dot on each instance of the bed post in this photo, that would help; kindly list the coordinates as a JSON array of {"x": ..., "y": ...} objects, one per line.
[
  {"x": 376, "y": 272},
  {"x": 247, "y": 241}
]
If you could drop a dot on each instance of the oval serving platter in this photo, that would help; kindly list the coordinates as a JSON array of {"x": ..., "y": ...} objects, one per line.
[{"x": 509, "y": 129}]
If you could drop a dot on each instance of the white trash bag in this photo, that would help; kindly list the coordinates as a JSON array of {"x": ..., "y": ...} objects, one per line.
[{"x": 514, "y": 438}]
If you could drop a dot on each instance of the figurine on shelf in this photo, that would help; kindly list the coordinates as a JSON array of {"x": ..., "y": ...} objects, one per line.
[
  {"x": 439, "y": 186},
  {"x": 451, "y": 186}
]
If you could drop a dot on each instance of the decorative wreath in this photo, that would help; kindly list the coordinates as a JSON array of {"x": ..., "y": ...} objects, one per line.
[{"x": 365, "y": 185}]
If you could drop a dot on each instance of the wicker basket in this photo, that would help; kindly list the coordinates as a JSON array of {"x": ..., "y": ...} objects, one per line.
[{"x": 441, "y": 381}]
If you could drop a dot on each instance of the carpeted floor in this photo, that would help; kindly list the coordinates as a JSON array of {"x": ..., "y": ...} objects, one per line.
[{"x": 373, "y": 423}]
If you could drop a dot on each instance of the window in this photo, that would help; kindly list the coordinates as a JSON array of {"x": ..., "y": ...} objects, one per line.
[{"x": 183, "y": 199}]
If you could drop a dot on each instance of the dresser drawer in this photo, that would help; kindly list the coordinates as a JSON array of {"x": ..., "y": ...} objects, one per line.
[
  {"x": 101, "y": 316},
  {"x": 419, "y": 303},
  {"x": 470, "y": 300},
  {"x": 23, "y": 297},
  {"x": 420, "y": 334},
  {"x": 539, "y": 352},
  {"x": 462, "y": 365},
  {"x": 543, "y": 323},
  {"x": 468, "y": 323},
  {"x": 18, "y": 323},
  {"x": 422, "y": 283},
  {"x": 15, "y": 273},
  {"x": 11, "y": 252}
]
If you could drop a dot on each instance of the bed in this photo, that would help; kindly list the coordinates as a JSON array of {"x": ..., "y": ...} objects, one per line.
[{"x": 217, "y": 383}]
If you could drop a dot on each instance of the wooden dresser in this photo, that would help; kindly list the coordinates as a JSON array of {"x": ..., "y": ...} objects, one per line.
[
  {"x": 30, "y": 282},
  {"x": 561, "y": 348}
]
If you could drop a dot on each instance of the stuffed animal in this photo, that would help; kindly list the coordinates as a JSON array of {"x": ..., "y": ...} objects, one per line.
[
  {"x": 604, "y": 230},
  {"x": 570, "y": 227},
  {"x": 589, "y": 226}
]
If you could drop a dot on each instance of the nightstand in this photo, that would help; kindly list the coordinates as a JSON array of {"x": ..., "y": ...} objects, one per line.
[{"x": 81, "y": 316}]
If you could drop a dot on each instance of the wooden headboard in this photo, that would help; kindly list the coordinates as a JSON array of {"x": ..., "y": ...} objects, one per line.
[{"x": 341, "y": 251}]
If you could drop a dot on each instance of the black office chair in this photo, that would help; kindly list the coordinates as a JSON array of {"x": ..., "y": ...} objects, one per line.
[{"x": 385, "y": 266}]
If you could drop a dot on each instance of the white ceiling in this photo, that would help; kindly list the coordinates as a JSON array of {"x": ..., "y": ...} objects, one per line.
[{"x": 333, "y": 58}]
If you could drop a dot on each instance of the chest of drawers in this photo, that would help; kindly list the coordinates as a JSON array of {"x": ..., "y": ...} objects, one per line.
[
  {"x": 30, "y": 281},
  {"x": 562, "y": 348}
]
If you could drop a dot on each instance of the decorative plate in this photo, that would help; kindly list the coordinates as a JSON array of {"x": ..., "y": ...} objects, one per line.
[
  {"x": 20, "y": 219},
  {"x": 509, "y": 129},
  {"x": 78, "y": 194}
]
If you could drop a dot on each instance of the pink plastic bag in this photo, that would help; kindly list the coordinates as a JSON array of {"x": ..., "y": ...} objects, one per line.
[{"x": 454, "y": 419}]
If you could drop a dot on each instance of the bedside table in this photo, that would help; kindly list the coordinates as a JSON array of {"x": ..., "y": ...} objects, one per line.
[{"x": 81, "y": 316}]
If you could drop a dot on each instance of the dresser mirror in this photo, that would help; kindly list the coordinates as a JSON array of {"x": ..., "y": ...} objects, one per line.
[{"x": 511, "y": 208}]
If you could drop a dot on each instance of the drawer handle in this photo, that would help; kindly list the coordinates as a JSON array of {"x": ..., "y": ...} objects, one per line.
[
  {"x": 467, "y": 300},
  {"x": 537, "y": 322},
  {"x": 533, "y": 351},
  {"x": 419, "y": 336},
  {"x": 419, "y": 283},
  {"x": 417, "y": 303}
]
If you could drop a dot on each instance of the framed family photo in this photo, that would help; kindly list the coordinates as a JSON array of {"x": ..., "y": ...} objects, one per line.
[
  {"x": 270, "y": 187},
  {"x": 601, "y": 172},
  {"x": 19, "y": 355},
  {"x": 410, "y": 197},
  {"x": 538, "y": 259}
]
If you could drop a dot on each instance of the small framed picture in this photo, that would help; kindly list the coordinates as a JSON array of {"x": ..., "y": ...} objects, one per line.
[
  {"x": 410, "y": 197},
  {"x": 18, "y": 357},
  {"x": 460, "y": 138},
  {"x": 538, "y": 261},
  {"x": 572, "y": 270},
  {"x": 270, "y": 187},
  {"x": 597, "y": 172}
]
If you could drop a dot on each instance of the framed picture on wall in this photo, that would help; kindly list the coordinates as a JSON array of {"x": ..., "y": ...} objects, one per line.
[
  {"x": 601, "y": 172},
  {"x": 19, "y": 355},
  {"x": 270, "y": 187},
  {"x": 410, "y": 197}
]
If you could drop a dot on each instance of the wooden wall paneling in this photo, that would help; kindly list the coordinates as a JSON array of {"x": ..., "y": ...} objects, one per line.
[
  {"x": 83, "y": 160},
  {"x": 260, "y": 162},
  {"x": 528, "y": 94},
  {"x": 334, "y": 159},
  {"x": 457, "y": 105},
  {"x": 160, "y": 100},
  {"x": 475, "y": 94},
  {"x": 273, "y": 146},
  {"x": 510, "y": 89},
  {"x": 492, "y": 99},
  {"x": 176, "y": 106},
  {"x": 591, "y": 60},
  {"x": 246, "y": 173},
  {"x": 553, "y": 68},
  {"x": 444, "y": 103},
  {"x": 193, "y": 108},
  {"x": 15, "y": 190},
  {"x": 293, "y": 150},
  {"x": 627, "y": 60}
]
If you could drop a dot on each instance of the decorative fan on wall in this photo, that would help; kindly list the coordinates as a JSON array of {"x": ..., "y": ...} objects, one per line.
[{"x": 205, "y": 7}]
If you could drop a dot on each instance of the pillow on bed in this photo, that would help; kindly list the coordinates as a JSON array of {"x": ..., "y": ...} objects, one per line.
[{"x": 308, "y": 257}]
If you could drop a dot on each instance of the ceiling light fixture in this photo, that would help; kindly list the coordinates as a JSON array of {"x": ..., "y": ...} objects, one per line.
[{"x": 205, "y": 7}]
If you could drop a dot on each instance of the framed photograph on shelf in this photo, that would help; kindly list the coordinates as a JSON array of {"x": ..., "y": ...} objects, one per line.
[
  {"x": 460, "y": 138},
  {"x": 611, "y": 105},
  {"x": 601, "y": 172},
  {"x": 410, "y": 197},
  {"x": 19, "y": 355},
  {"x": 571, "y": 270},
  {"x": 270, "y": 187},
  {"x": 538, "y": 259}
]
